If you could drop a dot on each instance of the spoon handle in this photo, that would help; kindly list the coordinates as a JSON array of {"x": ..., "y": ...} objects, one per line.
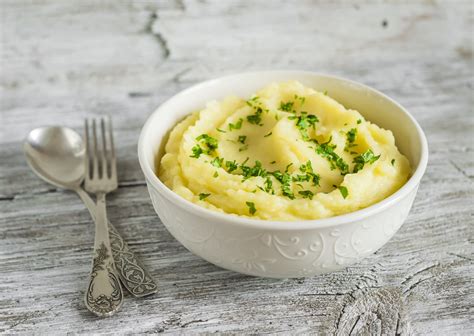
[{"x": 132, "y": 273}]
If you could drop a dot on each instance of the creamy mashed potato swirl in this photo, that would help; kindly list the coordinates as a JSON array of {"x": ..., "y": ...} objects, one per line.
[{"x": 287, "y": 153}]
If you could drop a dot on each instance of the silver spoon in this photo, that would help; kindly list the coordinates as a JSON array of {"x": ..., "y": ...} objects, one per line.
[{"x": 56, "y": 154}]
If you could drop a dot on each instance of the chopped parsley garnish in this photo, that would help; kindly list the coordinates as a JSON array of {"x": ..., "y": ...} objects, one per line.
[
  {"x": 367, "y": 157},
  {"x": 217, "y": 162},
  {"x": 210, "y": 142},
  {"x": 350, "y": 138},
  {"x": 269, "y": 185},
  {"x": 287, "y": 107},
  {"x": 220, "y": 130},
  {"x": 351, "y": 135},
  {"x": 203, "y": 196},
  {"x": 343, "y": 190},
  {"x": 288, "y": 167},
  {"x": 393, "y": 162},
  {"x": 325, "y": 92},
  {"x": 359, "y": 121},
  {"x": 267, "y": 135},
  {"x": 231, "y": 166},
  {"x": 256, "y": 118},
  {"x": 301, "y": 99},
  {"x": 303, "y": 122},
  {"x": 241, "y": 149},
  {"x": 237, "y": 125},
  {"x": 326, "y": 150},
  {"x": 215, "y": 174},
  {"x": 197, "y": 151},
  {"x": 252, "y": 209},
  {"x": 256, "y": 170},
  {"x": 306, "y": 194},
  {"x": 242, "y": 139},
  {"x": 301, "y": 178},
  {"x": 273, "y": 162},
  {"x": 252, "y": 101},
  {"x": 309, "y": 174},
  {"x": 285, "y": 180}
]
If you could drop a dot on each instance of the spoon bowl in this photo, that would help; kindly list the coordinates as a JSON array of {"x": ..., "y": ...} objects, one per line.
[{"x": 56, "y": 154}]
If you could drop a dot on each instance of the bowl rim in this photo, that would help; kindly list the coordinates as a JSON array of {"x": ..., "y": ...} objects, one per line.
[{"x": 234, "y": 219}]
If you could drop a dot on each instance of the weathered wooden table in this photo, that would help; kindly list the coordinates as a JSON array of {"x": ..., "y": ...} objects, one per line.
[{"x": 64, "y": 60}]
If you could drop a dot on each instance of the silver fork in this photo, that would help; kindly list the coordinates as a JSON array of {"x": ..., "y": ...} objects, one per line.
[{"x": 104, "y": 294}]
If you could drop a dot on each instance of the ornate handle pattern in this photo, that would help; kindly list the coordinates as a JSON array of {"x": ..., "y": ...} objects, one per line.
[
  {"x": 104, "y": 294},
  {"x": 130, "y": 270}
]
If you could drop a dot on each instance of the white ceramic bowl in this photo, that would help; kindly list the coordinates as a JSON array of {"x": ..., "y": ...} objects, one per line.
[{"x": 283, "y": 249}]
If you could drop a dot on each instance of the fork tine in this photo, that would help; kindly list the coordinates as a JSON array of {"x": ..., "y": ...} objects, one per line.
[
  {"x": 86, "y": 146},
  {"x": 103, "y": 156},
  {"x": 113, "y": 160},
  {"x": 95, "y": 156}
]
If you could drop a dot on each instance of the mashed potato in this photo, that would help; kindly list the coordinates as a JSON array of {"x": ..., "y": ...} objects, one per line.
[{"x": 287, "y": 153}]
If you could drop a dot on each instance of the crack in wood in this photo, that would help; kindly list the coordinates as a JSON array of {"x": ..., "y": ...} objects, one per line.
[
  {"x": 34, "y": 314},
  {"x": 376, "y": 311},
  {"x": 460, "y": 170},
  {"x": 460, "y": 256},
  {"x": 131, "y": 184},
  {"x": 121, "y": 185},
  {"x": 157, "y": 35},
  {"x": 184, "y": 325},
  {"x": 415, "y": 284},
  {"x": 418, "y": 272},
  {"x": 136, "y": 94}
]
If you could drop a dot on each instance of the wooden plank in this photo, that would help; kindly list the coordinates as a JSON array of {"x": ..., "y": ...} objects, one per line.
[{"x": 62, "y": 61}]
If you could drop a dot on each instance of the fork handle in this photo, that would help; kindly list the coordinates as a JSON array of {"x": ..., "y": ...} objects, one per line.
[
  {"x": 104, "y": 294},
  {"x": 133, "y": 275}
]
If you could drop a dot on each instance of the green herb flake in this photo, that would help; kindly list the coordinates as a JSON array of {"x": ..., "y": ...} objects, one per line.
[
  {"x": 326, "y": 150},
  {"x": 359, "y": 121},
  {"x": 253, "y": 101},
  {"x": 273, "y": 162},
  {"x": 306, "y": 194},
  {"x": 269, "y": 185},
  {"x": 268, "y": 134},
  {"x": 237, "y": 125},
  {"x": 301, "y": 99},
  {"x": 242, "y": 139},
  {"x": 220, "y": 130},
  {"x": 197, "y": 151},
  {"x": 241, "y": 149},
  {"x": 350, "y": 139},
  {"x": 215, "y": 174},
  {"x": 256, "y": 118},
  {"x": 343, "y": 190},
  {"x": 203, "y": 196},
  {"x": 231, "y": 166},
  {"x": 303, "y": 122},
  {"x": 309, "y": 175},
  {"x": 252, "y": 209},
  {"x": 256, "y": 170},
  {"x": 393, "y": 162},
  {"x": 210, "y": 142},
  {"x": 288, "y": 167},
  {"x": 367, "y": 157},
  {"x": 217, "y": 162},
  {"x": 287, "y": 107},
  {"x": 285, "y": 180},
  {"x": 325, "y": 92}
]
